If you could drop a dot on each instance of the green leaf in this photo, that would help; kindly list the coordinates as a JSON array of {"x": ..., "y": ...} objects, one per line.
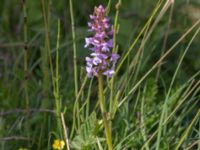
[{"x": 87, "y": 134}]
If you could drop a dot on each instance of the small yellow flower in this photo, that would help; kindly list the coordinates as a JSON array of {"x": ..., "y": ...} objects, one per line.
[
  {"x": 22, "y": 149},
  {"x": 58, "y": 144}
]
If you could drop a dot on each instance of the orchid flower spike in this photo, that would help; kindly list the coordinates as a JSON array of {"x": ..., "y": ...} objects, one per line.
[{"x": 101, "y": 61}]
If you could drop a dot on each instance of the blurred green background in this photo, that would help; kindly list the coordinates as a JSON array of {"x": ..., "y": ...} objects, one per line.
[{"x": 132, "y": 17}]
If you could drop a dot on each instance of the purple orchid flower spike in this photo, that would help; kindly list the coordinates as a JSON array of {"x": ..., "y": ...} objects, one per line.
[{"x": 102, "y": 60}]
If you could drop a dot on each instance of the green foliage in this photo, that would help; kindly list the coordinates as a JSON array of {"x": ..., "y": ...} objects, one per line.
[
  {"x": 87, "y": 134},
  {"x": 135, "y": 98}
]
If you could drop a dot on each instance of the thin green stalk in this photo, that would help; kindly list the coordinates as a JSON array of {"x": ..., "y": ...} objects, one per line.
[
  {"x": 76, "y": 105},
  {"x": 76, "y": 109},
  {"x": 175, "y": 110},
  {"x": 26, "y": 74},
  {"x": 108, "y": 7},
  {"x": 199, "y": 137},
  {"x": 45, "y": 68},
  {"x": 138, "y": 37},
  {"x": 86, "y": 105},
  {"x": 157, "y": 63},
  {"x": 143, "y": 31},
  {"x": 159, "y": 17},
  {"x": 147, "y": 35},
  {"x": 57, "y": 68},
  {"x": 164, "y": 110},
  {"x": 142, "y": 122},
  {"x": 104, "y": 113},
  {"x": 25, "y": 55},
  {"x": 47, "y": 41},
  {"x": 134, "y": 68},
  {"x": 116, "y": 25},
  {"x": 74, "y": 47},
  {"x": 56, "y": 90},
  {"x": 187, "y": 130},
  {"x": 165, "y": 40},
  {"x": 65, "y": 132},
  {"x": 88, "y": 99},
  {"x": 197, "y": 142},
  {"x": 114, "y": 50}
]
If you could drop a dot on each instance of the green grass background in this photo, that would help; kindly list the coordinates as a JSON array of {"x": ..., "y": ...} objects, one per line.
[{"x": 137, "y": 119}]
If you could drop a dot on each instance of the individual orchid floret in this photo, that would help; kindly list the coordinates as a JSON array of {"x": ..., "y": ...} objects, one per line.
[{"x": 101, "y": 61}]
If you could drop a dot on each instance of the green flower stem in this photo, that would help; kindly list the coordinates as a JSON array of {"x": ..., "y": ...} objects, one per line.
[
  {"x": 104, "y": 114},
  {"x": 26, "y": 56},
  {"x": 57, "y": 85},
  {"x": 74, "y": 48},
  {"x": 26, "y": 74}
]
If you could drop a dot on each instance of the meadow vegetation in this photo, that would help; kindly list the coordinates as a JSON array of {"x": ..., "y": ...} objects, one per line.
[{"x": 47, "y": 100}]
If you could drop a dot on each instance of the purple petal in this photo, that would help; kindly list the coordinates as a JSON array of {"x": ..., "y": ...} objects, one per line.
[
  {"x": 87, "y": 42},
  {"x": 103, "y": 56},
  {"x": 100, "y": 35},
  {"x": 89, "y": 24},
  {"x": 105, "y": 49},
  {"x": 106, "y": 25},
  {"x": 89, "y": 72},
  {"x": 106, "y": 20},
  {"x": 96, "y": 60},
  {"x": 89, "y": 61},
  {"x": 110, "y": 43},
  {"x": 109, "y": 73},
  {"x": 92, "y": 17},
  {"x": 100, "y": 9},
  {"x": 114, "y": 57},
  {"x": 95, "y": 48},
  {"x": 94, "y": 54},
  {"x": 110, "y": 33}
]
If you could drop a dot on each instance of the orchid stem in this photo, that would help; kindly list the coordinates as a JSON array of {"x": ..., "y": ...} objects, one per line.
[{"x": 104, "y": 114}]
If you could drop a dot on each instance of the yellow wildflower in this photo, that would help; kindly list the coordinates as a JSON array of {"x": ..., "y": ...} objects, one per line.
[
  {"x": 58, "y": 144},
  {"x": 23, "y": 149}
]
